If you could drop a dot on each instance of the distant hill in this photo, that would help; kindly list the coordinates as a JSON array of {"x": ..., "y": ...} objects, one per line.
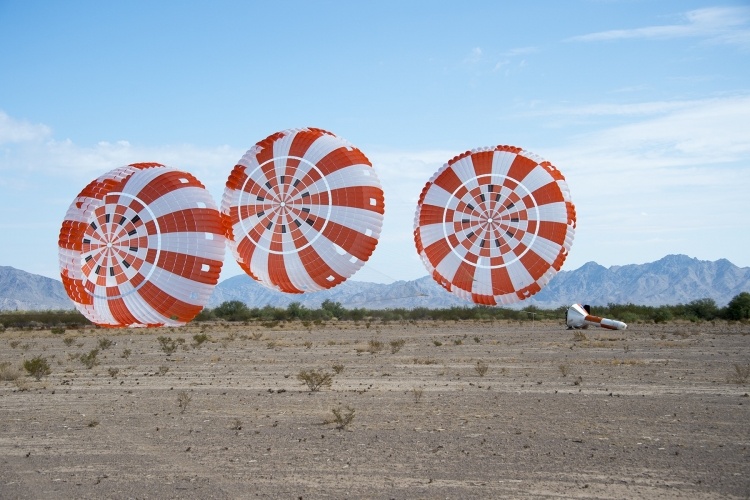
[
  {"x": 671, "y": 280},
  {"x": 674, "y": 279},
  {"x": 22, "y": 291}
]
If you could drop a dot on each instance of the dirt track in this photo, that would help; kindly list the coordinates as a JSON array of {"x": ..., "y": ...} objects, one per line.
[{"x": 650, "y": 412}]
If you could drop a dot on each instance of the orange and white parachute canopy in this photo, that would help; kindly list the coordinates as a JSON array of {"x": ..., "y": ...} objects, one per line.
[
  {"x": 142, "y": 245},
  {"x": 494, "y": 225},
  {"x": 303, "y": 210}
]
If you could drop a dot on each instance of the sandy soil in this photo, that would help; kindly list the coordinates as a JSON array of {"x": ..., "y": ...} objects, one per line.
[{"x": 651, "y": 412}]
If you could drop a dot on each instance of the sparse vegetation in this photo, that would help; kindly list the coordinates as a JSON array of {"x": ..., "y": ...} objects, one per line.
[
  {"x": 37, "y": 367},
  {"x": 417, "y": 393},
  {"x": 168, "y": 344},
  {"x": 396, "y": 345},
  {"x": 740, "y": 375},
  {"x": 315, "y": 379},
  {"x": 57, "y": 330},
  {"x": 8, "y": 372},
  {"x": 113, "y": 372},
  {"x": 337, "y": 368},
  {"x": 105, "y": 343},
  {"x": 199, "y": 339},
  {"x": 162, "y": 370},
  {"x": 374, "y": 346},
  {"x": 68, "y": 341},
  {"x": 564, "y": 370},
  {"x": 579, "y": 336},
  {"x": 183, "y": 400},
  {"x": 342, "y": 417},
  {"x": 90, "y": 358},
  {"x": 481, "y": 368},
  {"x": 125, "y": 353}
]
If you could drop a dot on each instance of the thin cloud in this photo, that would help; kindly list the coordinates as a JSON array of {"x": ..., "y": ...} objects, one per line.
[
  {"x": 474, "y": 56},
  {"x": 728, "y": 25},
  {"x": 16, "y": 131}
]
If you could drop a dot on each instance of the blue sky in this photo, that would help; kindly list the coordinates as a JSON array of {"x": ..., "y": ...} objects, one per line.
[{"x": 643, "y": 105}]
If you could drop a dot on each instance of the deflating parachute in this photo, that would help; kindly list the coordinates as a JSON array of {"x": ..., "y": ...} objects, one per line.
[
  {"x": 142, "y": 245},
  {"x": 579, "y": 316},
  {"x": 494, "y": 225},
  {"x": 302, "y": 210}
]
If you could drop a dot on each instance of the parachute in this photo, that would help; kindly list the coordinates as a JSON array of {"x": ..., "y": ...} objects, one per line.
[
  {"x": 494, "y": 225},
  {"x": 142, "y": 245},
  {"x": 579, "y": 316},
  {"x": 303, "y": 210}
]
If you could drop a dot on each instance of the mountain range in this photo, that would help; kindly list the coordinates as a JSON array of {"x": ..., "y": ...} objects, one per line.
[{"x": 674, "y": 279}]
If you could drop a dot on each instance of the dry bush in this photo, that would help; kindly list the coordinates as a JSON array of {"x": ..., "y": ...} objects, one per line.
[
  {"x": 417, "y": 393},
  {"x": 342, "y": 417},
  {"x": 183, "y": 400},
  {"x": 105, "y": 343},
  {"x": 424, "y": 361},
  {"x": 481, "y": 368},
  {"x": 8, "y": 372},
  {"x": 37, "y": 367},
  {"x": 89, "y": 359},
  {"x": 315, "y": 379},
  {"x": 374, "y": 346},
  {"x": 396, "y": 345},
  {"x": 740, "y": 375},
  {"x": 564, "y": 370},
  {"x": 579, "y": 336},
  {"x": 338, "y": 368}
]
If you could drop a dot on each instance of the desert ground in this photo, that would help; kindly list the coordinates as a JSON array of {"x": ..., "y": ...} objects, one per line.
[{"x": 425, "y": 410}]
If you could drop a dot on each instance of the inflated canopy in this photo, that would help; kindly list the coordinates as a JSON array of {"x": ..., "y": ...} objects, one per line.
[
  {"x": 142, "y": 245},
  {"x": 493, "y": 225},
  {"x": 303, "y": 210}
]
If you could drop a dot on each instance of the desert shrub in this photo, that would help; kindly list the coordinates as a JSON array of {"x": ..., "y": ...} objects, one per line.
[
  {"x": 579, "y": 336},
  {"x": 342, "y": 417},
  {"x": 162, "y": 370},
  {"x": 126, "y": 353},
  {"x": 315, "y": 379},
  {"x": 168, "y": 344},
  {"x": 374, "y": 346},
  {"x": 183, "y": 400},
  {"x": 396, "y": 345},
  {"x": 105, "y": 343},
  {"x": 338, "y": 368},
  {"x": 740, "y": 375},
  {"x": 89, "y": 359},
  {"x": 68, "y": 341},
  {"x": 199, "y": 339},
  {"x": 37, "y": 367},
  {"x": 564, "y": 370},
  {"x": 57, "y": 330},
  {"x": 437, "y": 343},
  {"x": 113, "y": 372},
  {"x": 8, "y": 372},
  {"x": 417, "y": 393},
  {"x": 481, "y": 368}
]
